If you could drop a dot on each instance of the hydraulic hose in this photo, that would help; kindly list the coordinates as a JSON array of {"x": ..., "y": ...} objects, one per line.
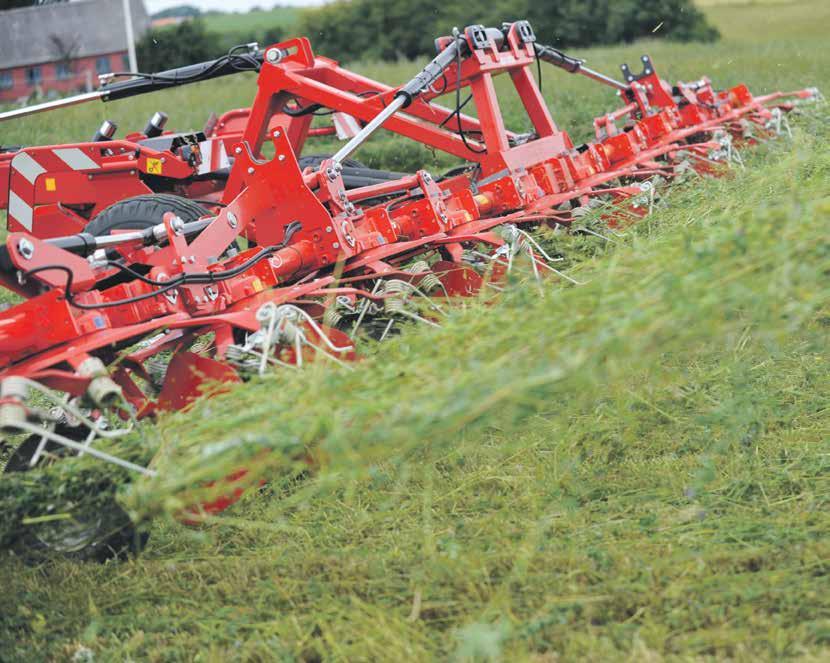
[{"x": 231, "y": 63}]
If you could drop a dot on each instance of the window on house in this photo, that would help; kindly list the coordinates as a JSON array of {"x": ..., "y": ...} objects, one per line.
[
  {"x": 102, "y": 65},
  {"x": 33, "y": 76},
  {"x": 125, "y": 62},
  {"x": 63, "y": 71},
  {"x": 6, "y": 80}
]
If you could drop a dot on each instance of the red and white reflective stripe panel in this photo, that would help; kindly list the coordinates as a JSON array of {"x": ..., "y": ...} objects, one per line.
[
  {"x": 19, "y": 211},
  {"x": 27, "y": 166},
  {"x": 75, "y": 158},
  {"x": 345, "y": 125}
]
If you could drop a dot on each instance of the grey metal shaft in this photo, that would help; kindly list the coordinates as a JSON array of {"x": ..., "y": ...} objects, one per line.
[
  {"x": 105, "y": 241},
  {"x": 405, "y": 94},
  {"x": 601, "y": 78},
  {"x": 85, "y": 244},
  {"x": 159, "y": 231},
  {"x": 51, "y": 105},
  {"x": 362, "y": 135},
  {"x": 573, "y": 65}
]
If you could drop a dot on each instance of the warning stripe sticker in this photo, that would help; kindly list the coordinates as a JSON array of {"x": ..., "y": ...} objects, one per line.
[
  {"x": 20, "y": 210},
  {"x": 27, "y": 166},
  {"x": 75, "y": 158}
]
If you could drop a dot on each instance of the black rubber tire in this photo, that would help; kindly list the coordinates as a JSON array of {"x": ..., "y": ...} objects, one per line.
[
  {"x": 143, "y": 212},
  {"x": 113, "y": 536},
  {"x": 314, "y": 160}
]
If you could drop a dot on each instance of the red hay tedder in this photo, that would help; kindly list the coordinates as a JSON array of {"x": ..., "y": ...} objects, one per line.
[{"x": 128, "y": 253}]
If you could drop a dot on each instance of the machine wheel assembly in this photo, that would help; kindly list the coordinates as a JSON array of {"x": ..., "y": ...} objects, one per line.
[
  {"x": 143, "y": 212},
  {"x": 94, "y": 533}
]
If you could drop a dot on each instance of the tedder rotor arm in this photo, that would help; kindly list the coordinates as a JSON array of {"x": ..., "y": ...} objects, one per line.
[{"x": 192, "y": 73}]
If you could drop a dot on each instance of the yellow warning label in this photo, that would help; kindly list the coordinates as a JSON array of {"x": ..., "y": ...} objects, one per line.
[
  {"x": 50, "y": 184},
  {"x": 257, "y": 285},
  {"x": 154, "y": 166}
]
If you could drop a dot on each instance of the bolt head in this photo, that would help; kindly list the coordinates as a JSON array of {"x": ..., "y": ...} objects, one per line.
[
  {"x": 251, "y": 170},
  {"x": 237, "y": 150},
  {"x": 232, "y": 221},
  {"x": 26, "y": 249},
  {"x": 336, "y": 245}
]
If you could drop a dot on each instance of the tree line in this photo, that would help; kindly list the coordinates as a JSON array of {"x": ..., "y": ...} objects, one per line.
[{"x": 393, "y": 29}]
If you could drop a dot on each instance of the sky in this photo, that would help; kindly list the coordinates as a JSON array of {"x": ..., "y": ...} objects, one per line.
[{"x": 225, "y": 5}]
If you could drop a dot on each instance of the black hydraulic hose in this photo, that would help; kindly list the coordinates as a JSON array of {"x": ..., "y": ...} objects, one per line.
[
  {"x": 236, "y": 60},
  {"x": 85, "y": 244},
  {"x": 557, "y": 58},
  {"x": 206, "y": 278},
  {"x": 231, "y": 63}
]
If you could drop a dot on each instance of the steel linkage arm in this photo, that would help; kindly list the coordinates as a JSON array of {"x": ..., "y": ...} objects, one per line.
[
  {"x": 574, "y": 66},
  {"x": 406, "y": 93}
]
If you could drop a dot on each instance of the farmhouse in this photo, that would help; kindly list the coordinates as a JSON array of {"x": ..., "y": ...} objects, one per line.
[{"x": 62, "y": 47}]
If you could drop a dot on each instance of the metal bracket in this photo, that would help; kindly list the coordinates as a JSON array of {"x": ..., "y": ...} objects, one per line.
[{"x": 648, "y": 70}]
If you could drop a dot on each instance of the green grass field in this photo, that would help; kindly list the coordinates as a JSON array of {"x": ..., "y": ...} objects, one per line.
[
  {"x": 254, "y": 21},
  {"x": 637, "y": 468}
]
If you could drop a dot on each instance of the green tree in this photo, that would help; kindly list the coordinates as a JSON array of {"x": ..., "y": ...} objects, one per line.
[
  {"x": 184, "y": 44},
  {"x": 391, "y": 29},
  {"x": 190, "y": 42}
]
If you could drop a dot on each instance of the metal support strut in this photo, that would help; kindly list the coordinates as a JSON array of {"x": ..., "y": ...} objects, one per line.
[{"x": 404, "y": 96}]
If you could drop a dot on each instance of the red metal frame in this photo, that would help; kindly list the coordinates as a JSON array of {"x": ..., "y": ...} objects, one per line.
[{"x": 348, "y": 242}]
